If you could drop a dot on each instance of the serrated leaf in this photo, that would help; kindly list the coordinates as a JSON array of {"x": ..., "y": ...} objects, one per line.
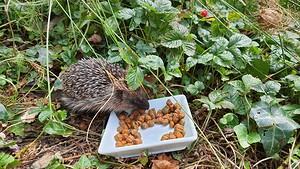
[
  {"x": 194, "y": 89},
  {"x": 152, "y": 62},
  {"x": 219, "y": 46},
  {"x": 61, "y": 114},
  {"x": 135, "y": 77},
  {"x": 275, "y": 128},
  {"x": 241, "y": 133},
  {"x": 158, "y": 6},
  {"x": 250, "y": 81},
  {"x": 44, "y": 115},
  {"x": 3, "y": 114},
  {"x": 224, "y": 59},
  {"x": 172, "y": 39},
  {"x": 125, "y": 13},
  {"x": 54, "y": 127},
  {"x": 83, "y": 162},
  {"x": 293, "y": 109},
  {"x": 189, "y": 48},
  {"x": 239, "y": 40},
  {"x": 297, "y": 85}
]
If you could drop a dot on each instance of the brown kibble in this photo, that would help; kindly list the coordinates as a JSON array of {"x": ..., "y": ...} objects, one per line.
[
  {"x": 178, "y": 134},
  {"x": 181, "y": 122},
  {"x": 144, "y": 125},
  {"x": 127, "y": 119},
  {"x": 166, "y": 116},
  {"x": 181, "y": 115},
  {"x": 130, "y": 139},
  {"x": 137, "y": 141},
  {"x": 120, "y": 129},
  {"x": 118, "y": 137},
  {"x": 135, "y": 125},
  {"x": 165, "y": 122},
  {"x": 159, "y": 120},
  {"x": 131, "y": 116},
  {"x": 175, "y": 118},
  {"x": 179, "y": 127},
  {"x": 171, "y": 135},
  {"x": 165, "y": 110},
  {"x": 129, "y": 125},
  {"x": 164, "y": 137},
  {"x": 137, "y": 135},
  {"x": 172, "y": 124},
  {"x": 150, "y": 123},
  {"x": 147, "y": 117},
  {"x": 141, "y": 118},
  {"x": 121, "y": 117},
  {"x": 119, "y": 144},
  {"x": 123, "y": 142},
  {"x": 142, "y": 111},
  {"x": 159, "y": 114},
  {"x": 135, "y": 112},
  {"x": 177, "y": 106},
  {"x": 169, "y": 102},
  {"x": 126, "y": 131}
]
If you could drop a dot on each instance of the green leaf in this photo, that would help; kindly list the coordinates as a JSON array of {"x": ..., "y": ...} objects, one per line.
[
  {"x": 152, "y": 62},
  {"x": 239, "y": 40},
  {"x": 172, "y": 39},
  {"x": 55, "y": 164},
  {"x": 110, "y": 26},
  {"x": 253, "y": 137},
  {"x": 219, "y": 46},
  {"x": 275, "y": 128},
  {"x": 158, "y": 6},
  {"x": 189, "y": 47},
  {"x": 54, "y": 127},
  {"x": 143, "y": 49},
  {"x": 126, "y": 13},
  {"x": 270, "y": 87},
  {"x": 2, "y": 80},
  {"x": 293, "y": 109},
  {"x": 224, "y": 59},
  {"x": 229, "y": 120},
  {"x": 17, "y": 129},
  {"x": 3, "y": 114},
  {"x": 95, "y": 162},
  {"x": 241, "y": 133},
  {"x": 250, "y": 81},
  {"x": 8, "y": 161},
  {"x": 259, "y": 68},
  {"x": 83, "y": 162},
  {"x": 135, "y": 77},
  {"x": 61, "y": 114},
  {"x": 297, "y": 85},
  {"x": 44, "y": 115},
  {"x": 194, "y": 89}
]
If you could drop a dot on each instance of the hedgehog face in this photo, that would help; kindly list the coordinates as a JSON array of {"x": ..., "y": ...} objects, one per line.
[{"x": 136, "y": 99}]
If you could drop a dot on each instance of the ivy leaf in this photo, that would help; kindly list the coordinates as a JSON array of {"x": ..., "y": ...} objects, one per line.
[
  {"x": 126, "y": 13},
  {"x": 8, "y": 161},
  {"x": 275, "y": 128},
  {"x": 229, "y": 120},
  {"x": 3, "y": 114},
  {"x": 253, "y": 137},
  {"x": 233, "y": 95},
  {"x": 2, "y": 80},
  {"x": 17, "y": 129},
  {"x": 54, "y": 127},
  {"x": 241, "y": 133},
  {"x": 292, "y": 110},
  {"x": 152, "y": 62},
  {"x": 135, "y": 77},
  {"x": 270, "y": 87},
  {"x": 194, "y": 89},
  {"x": 83, "y": 162}
]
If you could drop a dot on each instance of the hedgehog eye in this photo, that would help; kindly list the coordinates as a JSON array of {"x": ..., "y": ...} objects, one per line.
[{"x": 135, "y": 101}]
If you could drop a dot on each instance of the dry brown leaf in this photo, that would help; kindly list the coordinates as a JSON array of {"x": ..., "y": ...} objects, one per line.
[
  {"x": 164, "y": 162},
  {"x": 95, "y": 38}
]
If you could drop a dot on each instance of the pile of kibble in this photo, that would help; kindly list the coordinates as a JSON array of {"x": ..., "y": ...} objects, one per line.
[{"x": 128, "y": 133}]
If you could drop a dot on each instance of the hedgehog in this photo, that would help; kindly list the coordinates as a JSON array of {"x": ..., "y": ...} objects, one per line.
[{"x": 93, "y": 85}]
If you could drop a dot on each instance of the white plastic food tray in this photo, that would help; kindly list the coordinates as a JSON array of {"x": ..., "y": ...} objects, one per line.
[{"x": 150, "y": 136}]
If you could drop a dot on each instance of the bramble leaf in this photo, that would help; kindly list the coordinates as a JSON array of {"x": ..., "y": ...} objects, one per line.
[{"x": 135, "y": 77}]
